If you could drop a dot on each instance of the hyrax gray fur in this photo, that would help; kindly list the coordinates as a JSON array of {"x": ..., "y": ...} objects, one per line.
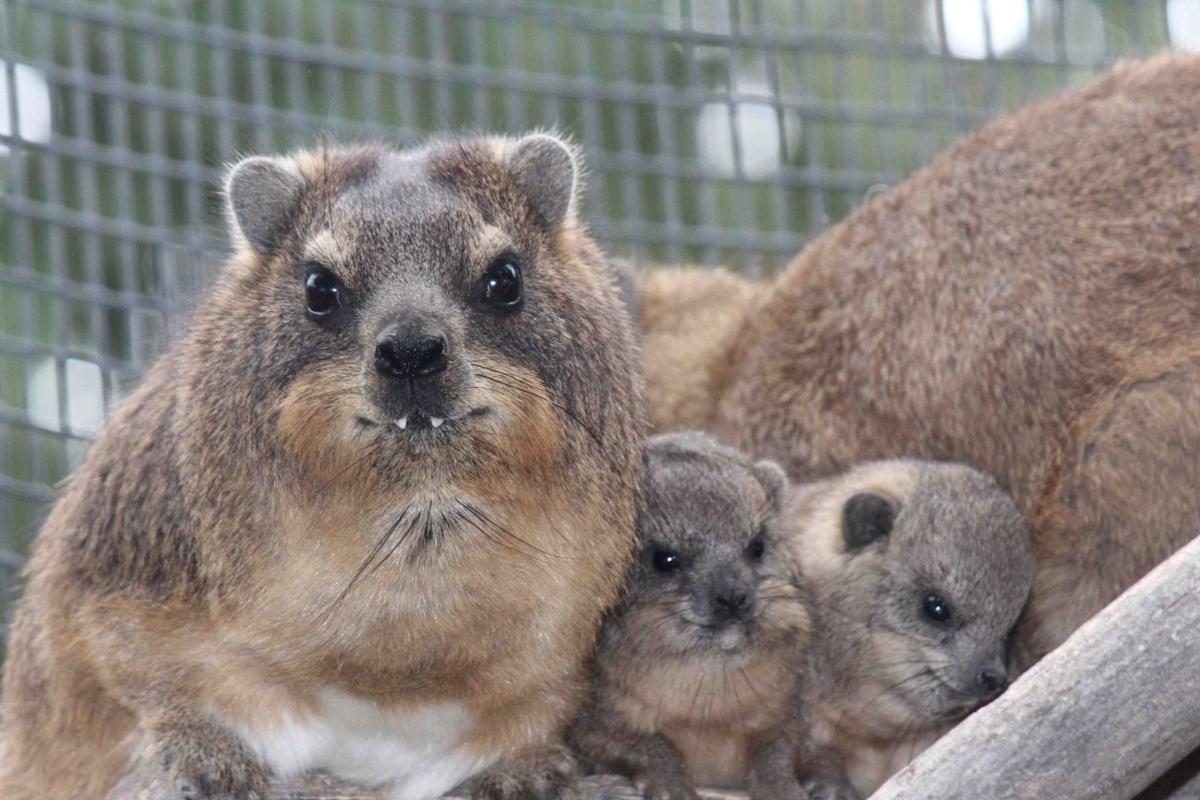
[
  {"x": 365, "y": 514},
  {"x": 920, "y": 571},
  {"x": 698, "y": 671}
]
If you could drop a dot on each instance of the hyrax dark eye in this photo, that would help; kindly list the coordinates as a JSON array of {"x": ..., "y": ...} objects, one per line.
[
  {"x": 502, "y": 284},
  {"x": 757, "y": 547},
  {"x": 935, "y": 608},
  {"x": 665, "y": 560},
  {"x": 323, "y": 292}
]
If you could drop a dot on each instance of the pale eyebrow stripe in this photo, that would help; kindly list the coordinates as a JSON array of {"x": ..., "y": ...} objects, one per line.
[
  {"x": 493, "y": 241},
  {"x": 324, "y": 249}
]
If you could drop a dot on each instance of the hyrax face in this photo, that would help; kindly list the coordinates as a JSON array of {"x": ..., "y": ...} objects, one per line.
[
  {"x": 921, "y": 570},
  {"x": 430, "y": 315},
  {"x": 711, "y": 578}
]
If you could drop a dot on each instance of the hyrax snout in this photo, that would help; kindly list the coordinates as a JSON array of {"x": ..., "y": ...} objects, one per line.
[{"x": 417, "y": 370}]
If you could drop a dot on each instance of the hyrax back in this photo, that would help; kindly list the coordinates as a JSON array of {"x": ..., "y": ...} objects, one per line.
[
  {"x": 920, "y": 572},
  {"x": 699, "y": 668},
  {"x": 366, "y": 513},
  {"x": 689, "y": 321}
]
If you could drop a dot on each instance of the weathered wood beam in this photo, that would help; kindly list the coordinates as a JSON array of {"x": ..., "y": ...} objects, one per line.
[
  {"x": 1180, "y": 782},
  {"x": 1100, "y": 718},
  {"x": 1188, "y": 791}
]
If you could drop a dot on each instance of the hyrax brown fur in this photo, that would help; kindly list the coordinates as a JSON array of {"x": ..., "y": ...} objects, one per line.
[
  {"x": 365, "y": 514},
  {"x": 698, "y": 674},
  {"x": 690, "y": 321},
  {"x": 920, "y": 571},
  {"x": 1029, "y": 304}
]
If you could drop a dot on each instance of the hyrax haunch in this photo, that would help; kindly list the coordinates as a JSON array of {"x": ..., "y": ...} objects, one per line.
[{"x": 366, "y": 513}]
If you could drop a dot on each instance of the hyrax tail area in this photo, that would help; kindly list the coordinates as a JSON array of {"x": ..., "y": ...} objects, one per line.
[{"x": 365, "y": 515}]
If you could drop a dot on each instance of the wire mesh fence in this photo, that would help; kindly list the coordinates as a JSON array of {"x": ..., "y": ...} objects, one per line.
[{"x": 714, "y": 131}]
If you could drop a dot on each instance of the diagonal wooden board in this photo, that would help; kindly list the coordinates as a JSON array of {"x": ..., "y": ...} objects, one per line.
[{"x": 321, "y": 787}]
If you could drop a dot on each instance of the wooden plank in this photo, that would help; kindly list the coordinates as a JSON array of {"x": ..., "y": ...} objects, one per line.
[
  {"x": 321, "y": 787},
  {"x": 1098, "y": 719},
  {"x": 1188, "y": 791},
  {"x": 1180, "y": 782}
]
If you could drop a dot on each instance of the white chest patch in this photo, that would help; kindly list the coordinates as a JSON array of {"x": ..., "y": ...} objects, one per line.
[{"x": 413, "y": 753}]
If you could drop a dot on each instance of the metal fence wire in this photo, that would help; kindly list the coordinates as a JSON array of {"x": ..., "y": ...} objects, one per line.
[{"x": 714, "y": 132}]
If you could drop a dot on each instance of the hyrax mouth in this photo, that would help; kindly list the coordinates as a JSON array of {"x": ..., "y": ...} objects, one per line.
[
  {"x": 418, "y": 420},
  {"x": 732, "y": 639},
  {"x": 728, "y": 637}
]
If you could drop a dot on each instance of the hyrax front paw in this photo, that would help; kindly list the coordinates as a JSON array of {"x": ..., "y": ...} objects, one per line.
[
  {"x": 547, "y": 774},
  {"x": 201, "y": 761}
]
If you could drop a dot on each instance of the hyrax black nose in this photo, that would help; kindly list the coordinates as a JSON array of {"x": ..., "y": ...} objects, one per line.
[
  {"x": 992, "y": 681},
  {"x": 409, "y": 355},
  {"x": 731, "y": 604}
]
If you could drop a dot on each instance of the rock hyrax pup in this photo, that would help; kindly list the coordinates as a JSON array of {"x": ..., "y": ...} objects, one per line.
[
  {"x": 698, "y": 670},
  {"x": 920, "y": 571},
  {"x": 365, "y": 515}
]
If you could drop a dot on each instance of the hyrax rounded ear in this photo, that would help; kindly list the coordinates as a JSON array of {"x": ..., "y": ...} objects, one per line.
[
  {"x": 774, "y": 481},
  {"x": 263, "y": 194},
  {"x": 867, "y": 517},
  {"x": 545, "y": 170}
]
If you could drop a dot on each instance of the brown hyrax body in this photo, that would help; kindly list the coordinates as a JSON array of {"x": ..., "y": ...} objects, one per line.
[
  {"x": 920, "y": 571},
  {"x": 699, "y": 668},
  {"x": 365, "y": 515},
  {"x": 1029, "y": 304}
]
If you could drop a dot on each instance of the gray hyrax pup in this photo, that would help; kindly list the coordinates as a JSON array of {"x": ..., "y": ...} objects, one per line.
[
  {"x": 920, "y": 571},
  {"x": 698, "y": 670}
]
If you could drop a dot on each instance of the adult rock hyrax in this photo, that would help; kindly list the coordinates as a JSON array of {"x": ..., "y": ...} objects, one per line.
[
  {"x": 920, "y": 571},
  {"x": 698, "y": 672},
  {"x": 1029, "y": 304},
  {"x": 365, "y": 515}
]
